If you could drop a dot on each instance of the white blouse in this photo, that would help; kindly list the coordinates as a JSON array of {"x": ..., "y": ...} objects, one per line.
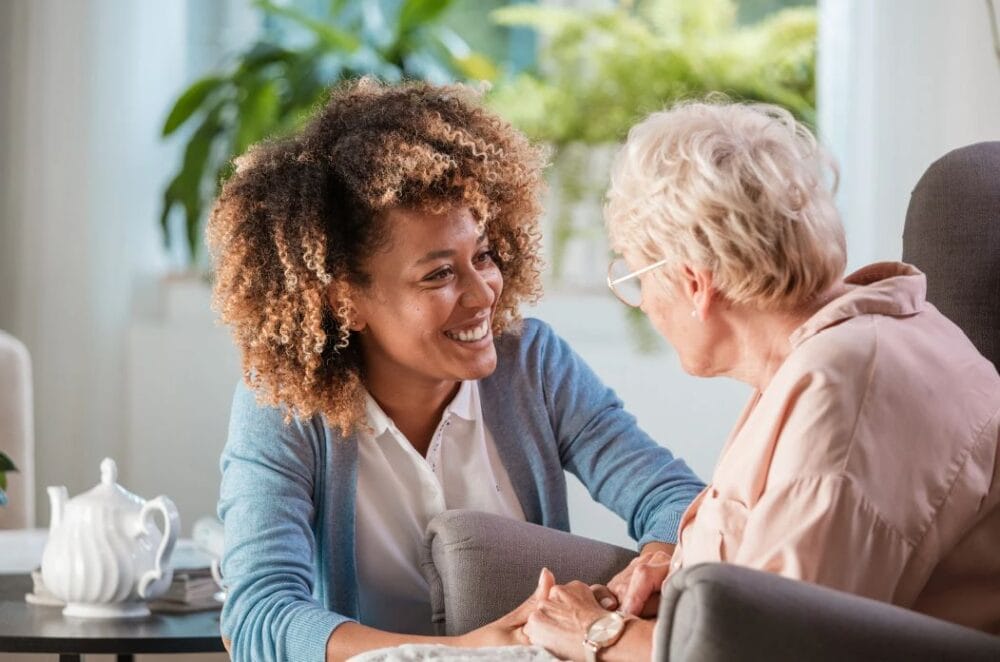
[{"x": 399, "y": 492}]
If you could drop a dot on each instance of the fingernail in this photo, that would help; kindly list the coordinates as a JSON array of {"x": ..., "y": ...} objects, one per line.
[{"x": 607, "y": 603}]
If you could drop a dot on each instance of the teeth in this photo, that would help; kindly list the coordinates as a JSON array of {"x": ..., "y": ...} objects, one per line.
[{"x": 471, "y": 335}]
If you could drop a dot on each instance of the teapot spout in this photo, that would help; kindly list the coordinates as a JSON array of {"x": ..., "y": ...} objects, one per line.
[{"x": 57, "y": 503}]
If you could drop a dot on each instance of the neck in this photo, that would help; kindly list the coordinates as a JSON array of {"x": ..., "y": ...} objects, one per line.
[
  {"x": 414, "y": 406},
  {"x": 760, "y": 340}
]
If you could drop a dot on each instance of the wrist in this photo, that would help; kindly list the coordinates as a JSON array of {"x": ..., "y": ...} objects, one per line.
[
  {"x": 635, "y": 643},
  {"x": 651, "y": 548}
]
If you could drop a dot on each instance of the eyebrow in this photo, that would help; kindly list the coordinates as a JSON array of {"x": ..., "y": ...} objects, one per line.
[{"x": 445, "y": 252}]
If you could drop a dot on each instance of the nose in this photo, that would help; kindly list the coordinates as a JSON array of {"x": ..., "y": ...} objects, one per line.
[{"x": 481, "y": 289}]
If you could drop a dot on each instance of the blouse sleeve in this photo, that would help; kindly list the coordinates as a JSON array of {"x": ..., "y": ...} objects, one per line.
[
  {"x": 266, "y": 506},
  {"x": 822, "y": 529},
  {"x": 603, "y": 446}
]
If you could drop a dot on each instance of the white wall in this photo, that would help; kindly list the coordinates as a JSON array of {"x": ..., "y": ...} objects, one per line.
[
  {"x": 85, "y": 87},
  {"x": 901, "y": 82}
]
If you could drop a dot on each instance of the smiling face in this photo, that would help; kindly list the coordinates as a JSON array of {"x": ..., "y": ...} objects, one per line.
[{"x": 425, "y": 320}]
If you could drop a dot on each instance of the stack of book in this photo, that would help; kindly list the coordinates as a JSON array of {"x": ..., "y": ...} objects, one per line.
[{"x": 192, "y": 588}]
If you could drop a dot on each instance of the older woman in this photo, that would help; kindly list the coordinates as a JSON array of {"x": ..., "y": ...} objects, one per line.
[
  {"x": 371, "y": 268},
  {"x": 866, "y": 459}
]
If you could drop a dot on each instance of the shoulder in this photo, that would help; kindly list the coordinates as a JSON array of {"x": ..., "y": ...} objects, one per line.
[
  {"x": 254, "y": 424},
  {"x": 816, "y": 399},
  {"x": 527, "y": 347}
]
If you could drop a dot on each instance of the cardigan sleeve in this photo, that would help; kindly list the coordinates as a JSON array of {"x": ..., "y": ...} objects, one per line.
[
  {"x": 266, "y": 506},
  {"x": 603, "y": 446}
]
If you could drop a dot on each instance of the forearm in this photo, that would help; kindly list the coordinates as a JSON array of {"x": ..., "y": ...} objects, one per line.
[
  {"x": 636, "y": 643},
  {"x": 353, "y": 638}
]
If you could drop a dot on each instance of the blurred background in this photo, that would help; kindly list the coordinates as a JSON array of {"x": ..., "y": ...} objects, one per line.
[{"x": 118, "y": 119}]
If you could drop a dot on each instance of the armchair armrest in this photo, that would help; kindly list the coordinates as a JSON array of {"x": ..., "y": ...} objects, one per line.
[
  {"x": 722, "y": 612},
  {"x": 480, "y": 566}
]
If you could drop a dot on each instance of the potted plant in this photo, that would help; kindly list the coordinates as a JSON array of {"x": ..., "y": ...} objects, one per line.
[{"x": 6, "y": 465}]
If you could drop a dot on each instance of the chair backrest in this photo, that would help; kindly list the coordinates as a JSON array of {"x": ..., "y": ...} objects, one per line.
[
  {"x": 17, "y": 437},
  {"x": 952, "y": 234},
  {"x": 716, "y": 612}
]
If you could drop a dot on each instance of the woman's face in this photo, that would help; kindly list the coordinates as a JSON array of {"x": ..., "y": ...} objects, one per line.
[{"x": 427, "y": 315}]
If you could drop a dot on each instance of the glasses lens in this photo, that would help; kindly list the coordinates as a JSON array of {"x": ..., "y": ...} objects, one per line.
[{"x": 630, "y": 290}]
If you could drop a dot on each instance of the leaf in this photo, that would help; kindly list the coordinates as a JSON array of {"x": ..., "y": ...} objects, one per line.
[
  {"x": 3, "y": 486},
  {"x": 477, "y": 66},
  {"x": 333, "y": 37},
  {"x": 189, "y": 102},
  {"x": 415, "y": 13},
  {"x": 257, "y": 116},
  {"x": 186, "y": 187},
  {"x": 6, "y": 464}
]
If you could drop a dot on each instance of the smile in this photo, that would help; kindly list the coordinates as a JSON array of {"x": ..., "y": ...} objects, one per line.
[{"x": 473, "y": 334}]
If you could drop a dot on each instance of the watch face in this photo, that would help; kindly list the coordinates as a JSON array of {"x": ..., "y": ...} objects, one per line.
[{"x": 605, "y": 629}]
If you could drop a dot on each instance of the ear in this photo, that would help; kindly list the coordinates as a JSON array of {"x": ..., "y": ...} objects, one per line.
[
  {"x": 699, "y": 289},
  {"x": 339, "y": 296}
]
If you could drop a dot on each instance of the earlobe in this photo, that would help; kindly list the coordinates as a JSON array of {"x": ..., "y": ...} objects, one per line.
[{"x": 700, "y": 290}]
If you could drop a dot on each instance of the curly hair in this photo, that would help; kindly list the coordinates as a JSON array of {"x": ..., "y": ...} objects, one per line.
[{"x": 293, "y": 227}]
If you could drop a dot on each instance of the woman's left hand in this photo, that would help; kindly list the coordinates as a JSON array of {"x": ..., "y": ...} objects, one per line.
[
  {"x": 507, "y": 630},
  {"x": 560, "y": 622}
]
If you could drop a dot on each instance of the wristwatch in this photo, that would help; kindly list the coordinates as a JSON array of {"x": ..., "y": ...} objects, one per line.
[{"x": 604, "y": 632}]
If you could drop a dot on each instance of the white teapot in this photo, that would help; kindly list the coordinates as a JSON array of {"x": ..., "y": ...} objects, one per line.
[{"x": 104, "y": 557}]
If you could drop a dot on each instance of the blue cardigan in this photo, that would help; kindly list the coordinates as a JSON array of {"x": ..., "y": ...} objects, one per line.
[{"x": 287, "y": 495}]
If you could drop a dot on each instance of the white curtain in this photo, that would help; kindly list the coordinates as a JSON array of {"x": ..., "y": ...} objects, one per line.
[{"x": 901, "y": 82}]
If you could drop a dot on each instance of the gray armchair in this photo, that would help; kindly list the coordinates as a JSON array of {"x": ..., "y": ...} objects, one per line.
[{"x": 481, "y": 566}]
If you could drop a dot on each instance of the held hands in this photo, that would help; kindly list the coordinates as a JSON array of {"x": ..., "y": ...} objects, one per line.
[
  {"x": 558, "y": 622},
  {"x": 636, "y": 589},
  {"x": 507, "y": 630}
]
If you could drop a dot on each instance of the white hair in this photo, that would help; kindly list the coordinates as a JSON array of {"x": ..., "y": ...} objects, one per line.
[{"x": 738, "y": 189}]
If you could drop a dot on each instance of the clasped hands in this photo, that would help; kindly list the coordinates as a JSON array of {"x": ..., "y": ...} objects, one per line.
[{"x": 556, "y": 616}]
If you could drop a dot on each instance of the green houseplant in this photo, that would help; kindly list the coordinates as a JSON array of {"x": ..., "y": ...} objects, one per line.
[
  {"x": 271, "y": 87},
  {"x": 601, "y": 70},
  {"x": 6, "y": 466}
]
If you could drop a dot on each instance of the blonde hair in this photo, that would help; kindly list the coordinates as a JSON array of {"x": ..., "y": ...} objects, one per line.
[{"x": 738, "y": 189}]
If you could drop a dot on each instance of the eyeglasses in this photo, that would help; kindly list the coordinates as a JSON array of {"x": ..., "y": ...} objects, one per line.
[{"x": 624, "y": 284}]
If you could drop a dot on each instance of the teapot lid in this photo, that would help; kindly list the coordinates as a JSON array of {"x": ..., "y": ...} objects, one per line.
[{"x": 108, "y": 493}]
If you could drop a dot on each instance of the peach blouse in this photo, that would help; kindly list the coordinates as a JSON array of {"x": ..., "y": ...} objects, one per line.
[{"x": 869, "y": 463}]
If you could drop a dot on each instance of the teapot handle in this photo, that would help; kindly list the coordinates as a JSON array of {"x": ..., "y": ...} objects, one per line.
[{"x": 171, "y": 525}]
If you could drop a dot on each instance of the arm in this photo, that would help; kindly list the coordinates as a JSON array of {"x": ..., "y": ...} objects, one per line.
[
  {"x": 600, "y": 443},
  {"x": 825, "y": 531},
  {"x": 267, "y": 508}
]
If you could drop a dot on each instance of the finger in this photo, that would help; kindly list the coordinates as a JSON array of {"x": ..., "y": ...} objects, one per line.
[
  {"x": 546, "y": 580},
  {"x": 646, "y": 580},
  {"x": 652, "y": 606},
  {"x": 604, "y": 596}
]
